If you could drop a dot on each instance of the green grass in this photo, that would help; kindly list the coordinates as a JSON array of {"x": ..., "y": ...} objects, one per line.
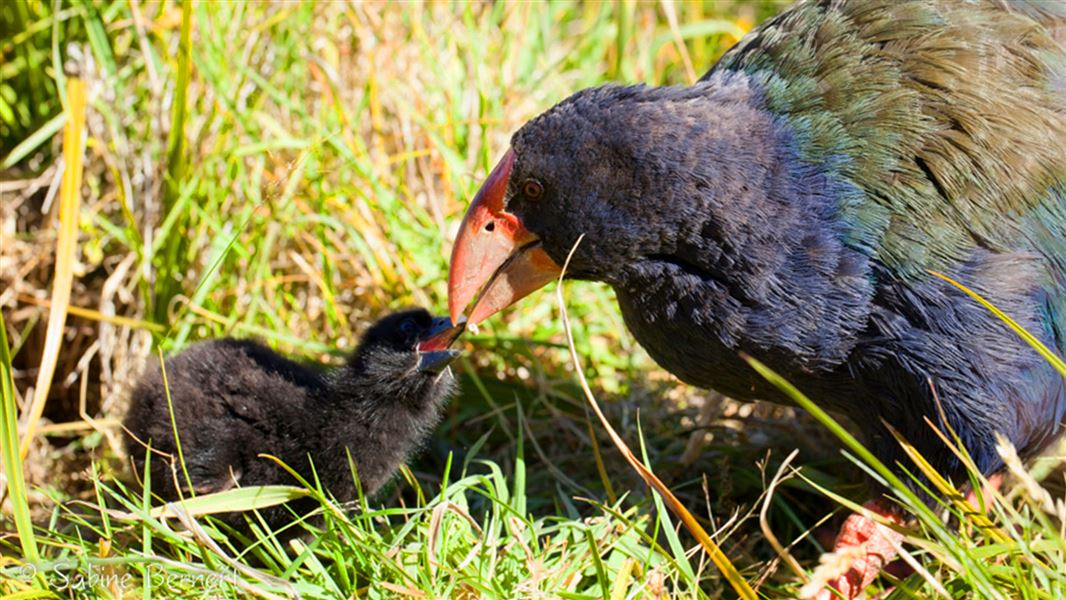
[
  {"x": 439, "y": 548},
  {"x": 289, "y": 171},
  {"x": 12, "y": 466}
]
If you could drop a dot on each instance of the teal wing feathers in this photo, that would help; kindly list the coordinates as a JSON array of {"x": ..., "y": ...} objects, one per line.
[{"x": 949, "y": 116}]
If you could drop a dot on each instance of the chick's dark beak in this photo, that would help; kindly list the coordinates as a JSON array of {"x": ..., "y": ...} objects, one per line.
[
  {"x": 434, "y": 353},
  {"x": 495, "y": 253},
  {"x": 436, "y": 361}
]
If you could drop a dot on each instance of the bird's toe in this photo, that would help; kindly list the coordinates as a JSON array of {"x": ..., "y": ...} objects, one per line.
[{"x": 862, "y": 550}]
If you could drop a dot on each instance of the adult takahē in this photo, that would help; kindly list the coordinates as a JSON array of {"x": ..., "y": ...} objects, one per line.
[{"x": 791, "y": 204}]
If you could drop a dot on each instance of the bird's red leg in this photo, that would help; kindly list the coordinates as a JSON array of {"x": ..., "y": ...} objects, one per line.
[
  {"x": 872, "y": 546},
  {"x": 994, "y": 482}
]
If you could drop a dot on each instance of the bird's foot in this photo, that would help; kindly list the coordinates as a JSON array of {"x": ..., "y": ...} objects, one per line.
[
  {"x": 862, "y": 549},
  {"x": 994, "y": 482}
]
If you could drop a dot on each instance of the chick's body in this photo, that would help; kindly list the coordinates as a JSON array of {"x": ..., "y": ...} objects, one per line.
[{"x": 236, "y": 400}]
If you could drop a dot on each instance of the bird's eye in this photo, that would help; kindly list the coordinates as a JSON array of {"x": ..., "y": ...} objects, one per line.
[
  {"x": 409, "y": 327},
  {"x": 532, "y": 189}
]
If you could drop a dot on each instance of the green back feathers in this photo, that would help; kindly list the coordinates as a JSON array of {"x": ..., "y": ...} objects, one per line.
[{"x": 950, "y": 117}]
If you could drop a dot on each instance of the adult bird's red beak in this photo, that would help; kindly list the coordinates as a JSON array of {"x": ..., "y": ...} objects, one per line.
[{"x": 495, "y": 253}]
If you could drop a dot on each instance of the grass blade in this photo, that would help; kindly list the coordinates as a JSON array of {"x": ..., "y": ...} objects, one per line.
[
  {"x": 234, "y": 500},
  {"x": 66, "y": 245},
  {"x": 826, "y": 420},
  {"x": 176, "y": 139},
  {"x": 173, "y": 260},
  {"x": 671, "y": 18},
  {"x": 720, "y": 560},
  {"x": 34, "y": 141},
  {"x": 1037, "y": 345},
  {"x": 673, "y": 540},
  {"x": 95, "y": 315},
  {"x": 945, "y": 487},
  {"x": 9, "y": 445}
]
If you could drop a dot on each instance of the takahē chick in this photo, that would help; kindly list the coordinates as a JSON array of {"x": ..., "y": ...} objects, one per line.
[{"x": 234, "y": 400}]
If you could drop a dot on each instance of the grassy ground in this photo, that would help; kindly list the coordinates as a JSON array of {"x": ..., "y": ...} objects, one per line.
[{"x": 288, "y": 171}]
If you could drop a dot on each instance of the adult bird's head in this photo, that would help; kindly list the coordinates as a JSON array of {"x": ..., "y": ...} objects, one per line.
[{"x": 591, "y": 165}]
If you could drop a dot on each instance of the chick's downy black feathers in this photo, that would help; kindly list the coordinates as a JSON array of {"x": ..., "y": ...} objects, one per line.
[{"x": 234, "y": 400}]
